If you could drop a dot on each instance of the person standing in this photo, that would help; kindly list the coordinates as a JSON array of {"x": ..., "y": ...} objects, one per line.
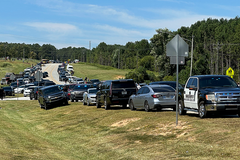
[{"x": 1, "y": 93}]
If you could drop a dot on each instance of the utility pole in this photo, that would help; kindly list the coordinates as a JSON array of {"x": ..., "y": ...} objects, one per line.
[{"x": 191, "y": 57}]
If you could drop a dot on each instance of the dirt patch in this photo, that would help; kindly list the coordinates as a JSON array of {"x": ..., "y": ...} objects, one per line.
[
  {"x": 124, "y": 122},
  {"x": 182, "y": 129},
  {"x": 120, "y": 77}
]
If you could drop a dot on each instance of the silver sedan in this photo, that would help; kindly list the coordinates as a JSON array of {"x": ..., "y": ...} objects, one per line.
[
  {"x": 153, "y": 97},
  {"x": 89, "y": 97}
]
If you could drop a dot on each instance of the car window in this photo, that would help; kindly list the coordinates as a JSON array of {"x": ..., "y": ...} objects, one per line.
[
  {"x": 163, "y": 89},
  {"x": 93, "y": 91},
  {"x": 189, "y": 82},
  {"x": 51, "y": 90},
  {"x": 124, "y": 84},
  {"x": 146, "y": 90},
  {"x": 140, "y": 90}
]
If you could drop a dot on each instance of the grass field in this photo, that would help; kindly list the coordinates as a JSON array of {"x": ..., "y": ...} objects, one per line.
[
  {"x": 98, "y": 72},
  {"x": 83, "y": 132},
  {"x": 14, "y": 66}
]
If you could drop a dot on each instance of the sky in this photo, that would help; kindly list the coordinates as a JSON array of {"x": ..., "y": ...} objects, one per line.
[{"x": 87, "y": 23}]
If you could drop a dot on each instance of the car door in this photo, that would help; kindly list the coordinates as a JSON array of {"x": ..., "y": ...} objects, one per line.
[
  {"x": 191, "y": 93},
  {"x": 135, "y": 98}
]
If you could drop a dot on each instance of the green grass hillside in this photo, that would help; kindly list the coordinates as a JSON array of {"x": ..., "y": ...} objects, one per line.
[
  {"x": 98, "y": 71},
  {"x": 75, "y": 131},
  {"x": 14, "y": 66},
  {"x": 85, "y": 132}
]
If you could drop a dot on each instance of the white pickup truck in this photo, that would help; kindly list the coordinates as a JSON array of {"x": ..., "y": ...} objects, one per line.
[{"x": 210, "y": 94}]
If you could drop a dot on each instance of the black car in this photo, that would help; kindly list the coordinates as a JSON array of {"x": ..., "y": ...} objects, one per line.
[
  {"x": 48, "y": 83},
  {"x": 95, "y": 82},
  {"x": 51, "y": 95},
  {"x": 34, "y": 93},
  {"x": 45, "y": 74},
  {"x": 115, "y": 92},
  {"x": 62, "y": 78},
  {"x": 78, "y": 90},
  {"x": 8, "y": 91}
]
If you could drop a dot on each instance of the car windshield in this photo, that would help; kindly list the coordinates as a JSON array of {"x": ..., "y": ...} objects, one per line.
[
  {"x": 51, "y": 90},
  {"x": 93, "y": 91},
  {"x": 123, "y": 84},
  {"x": 212, "y": 82},
  {"x": 163, "y": 89}
]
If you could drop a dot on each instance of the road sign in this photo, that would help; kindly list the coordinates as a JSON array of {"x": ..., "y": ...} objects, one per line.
[
  {"x": 12, "y": 77},
  {"x": 230, "y": 72},
  {"x": 177, "y": 44},
  {"x": 38, "y": 76},
  {"x": 181, "y": 60}
]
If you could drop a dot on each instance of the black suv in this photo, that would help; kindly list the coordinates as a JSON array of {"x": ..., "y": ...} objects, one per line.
[
  {"x": 115, "y": 92},
  {"x": 50, "y": 95}
]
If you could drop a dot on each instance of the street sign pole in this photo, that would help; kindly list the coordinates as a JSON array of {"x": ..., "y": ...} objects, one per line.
[
  {"x": 177, "y": 81},
  {"x": 177, "y": 49}
]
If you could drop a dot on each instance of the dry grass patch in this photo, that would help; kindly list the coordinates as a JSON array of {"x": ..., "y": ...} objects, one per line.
[{"x": 124, "y": 122}]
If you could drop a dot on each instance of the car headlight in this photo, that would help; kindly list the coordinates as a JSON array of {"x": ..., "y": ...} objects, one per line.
[{"x": 211, "y": 97}]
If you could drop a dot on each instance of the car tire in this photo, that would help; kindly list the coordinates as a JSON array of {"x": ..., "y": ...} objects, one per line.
[
  {"x": 181, "y": 110},
  {"x": 106, "y": 105},
  {"x": 88, "y": 104},
  {"x": 131, "y": 106},
  {"x": 98, "y": 104},
  {"x": 45, "y": 106},
  {"x": 76, "y": 100},
  {"x": 124, "y": 105},
  {"x": 65, "y": 102},
  {"x": 146, "y": 106},
  {"x": 202, "y": 110},
  {"x": 30, "y": 98}
]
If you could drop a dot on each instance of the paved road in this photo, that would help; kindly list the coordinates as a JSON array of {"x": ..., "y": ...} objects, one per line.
[{"x": 51, "y": 68}]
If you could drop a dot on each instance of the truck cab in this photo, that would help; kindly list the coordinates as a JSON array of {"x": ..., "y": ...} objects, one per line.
[{"x": 211, "y": 93}]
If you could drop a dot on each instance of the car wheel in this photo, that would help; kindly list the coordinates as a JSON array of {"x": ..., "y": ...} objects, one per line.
[
  {"x": 97, "y": 104},
  {"x": 65, "y": 102},
  {"x": 76, "y": 100},
  {"x": 45, "y": 105},
  {"x": 88, "y": 104},
  {"x": 131, "y": 106},
  {"x": 72, "y": 100},
  {"x": 124, "y": 105},
  {"x": 30, "y": 98},
  {"x": 40, "y": 105},
  {"x": 202, "y": 110},
  {"x": 146, "y": 106},
  {"x": 181, "y": 110},
  {"x": 106, "y": 105},
  {"x": 22, "y": 91}
]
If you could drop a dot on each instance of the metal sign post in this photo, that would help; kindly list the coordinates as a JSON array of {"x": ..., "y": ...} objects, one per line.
[{"x": 177, "y": 49}]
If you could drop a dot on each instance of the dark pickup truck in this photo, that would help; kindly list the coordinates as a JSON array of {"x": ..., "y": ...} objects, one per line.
[
  {"x": 210, "y": 94},
  {"x": 50, "y": 95}
]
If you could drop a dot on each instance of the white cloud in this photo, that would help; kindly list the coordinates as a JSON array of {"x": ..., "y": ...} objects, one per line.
[{"x": 52, "y": 27}]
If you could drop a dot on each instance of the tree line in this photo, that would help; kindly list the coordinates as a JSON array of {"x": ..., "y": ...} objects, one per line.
[{"x": 216, "y": 44}]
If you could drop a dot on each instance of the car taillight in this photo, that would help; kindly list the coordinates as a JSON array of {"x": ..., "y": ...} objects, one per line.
[
  {"x": 156, "y": 95},
  {"x": 37, "y": 92},
  {"x": 69, "y": 94}
]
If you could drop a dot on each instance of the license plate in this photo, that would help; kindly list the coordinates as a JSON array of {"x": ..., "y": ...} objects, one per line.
[{"x": 124, "y": 92}]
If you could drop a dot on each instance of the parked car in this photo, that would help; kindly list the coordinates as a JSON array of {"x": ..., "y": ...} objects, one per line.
[
  {"x": 34, "y": 93},
  {"x": 19, "y": 89},
  {"x": 153, "y": 97},
  {"x": 95, "y": 82},
  {"x": 172, "y": 84},
  {"x": 78, "y": 90},
  {"x": 27, "y": 90},
  {"x": 8, "y": 91},
  {"x": 51, "y": 95},
  {"x": 62, "y": 77},
  {"x": 115, "y": 92},
  {"x": 89, "y": 97}
]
